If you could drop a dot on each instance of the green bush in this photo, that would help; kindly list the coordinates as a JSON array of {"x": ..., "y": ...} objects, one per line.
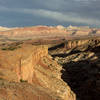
[
  {"x": 4, "y": 48},
  {"x": 21, "y": 80}
]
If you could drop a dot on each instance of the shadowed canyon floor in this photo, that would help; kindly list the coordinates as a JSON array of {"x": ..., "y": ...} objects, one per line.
[{"x": 81, "y": 66}]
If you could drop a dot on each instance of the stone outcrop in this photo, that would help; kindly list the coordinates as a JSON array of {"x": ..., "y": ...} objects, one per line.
[
  {"x": 27, "y": 64},
  {"x": 75, "y": 43},
  {"x": 32, "y": 64}
]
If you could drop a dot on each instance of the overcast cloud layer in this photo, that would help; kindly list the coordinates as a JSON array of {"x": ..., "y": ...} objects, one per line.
[{"x": 14, "y": 13}]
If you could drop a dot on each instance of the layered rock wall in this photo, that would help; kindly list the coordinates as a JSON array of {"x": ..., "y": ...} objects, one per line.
[
  {"x": 26, "y": 65},
  {"x": 33, "y": 65},
  {"x": 76, "y": 43}
]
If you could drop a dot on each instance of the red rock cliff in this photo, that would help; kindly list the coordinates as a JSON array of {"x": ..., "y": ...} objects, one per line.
[{"x": 34, "y": 65}]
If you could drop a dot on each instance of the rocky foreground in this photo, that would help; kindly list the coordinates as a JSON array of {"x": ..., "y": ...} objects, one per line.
[{"x": 55, "y": 68}]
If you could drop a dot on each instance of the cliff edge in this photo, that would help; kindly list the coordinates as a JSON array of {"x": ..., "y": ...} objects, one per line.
[{"x": 31, "y": 66}]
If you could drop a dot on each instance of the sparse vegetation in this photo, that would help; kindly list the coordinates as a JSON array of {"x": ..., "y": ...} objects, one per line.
[
  {"x": 4, "y": 48},
  {"x": 21, "y": 80},
  {"x": 1, "y": 78},
  {"x": 10, "y": 48}
]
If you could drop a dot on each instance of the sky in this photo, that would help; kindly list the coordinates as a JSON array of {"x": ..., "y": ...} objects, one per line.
[{"x": 19, "y": 13}]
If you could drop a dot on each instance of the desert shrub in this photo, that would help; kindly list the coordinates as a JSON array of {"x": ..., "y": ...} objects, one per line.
[
  {"x": 11, "y": 48},
  {"x": 21, "y": 80},
  {"x": 1, "y": 78},
  {"x": 4, "y": 48}
]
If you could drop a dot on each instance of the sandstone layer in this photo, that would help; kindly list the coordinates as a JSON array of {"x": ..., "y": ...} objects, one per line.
[
  {"x": 48, "y": 31},
  {"x": 28, "y": 70}
]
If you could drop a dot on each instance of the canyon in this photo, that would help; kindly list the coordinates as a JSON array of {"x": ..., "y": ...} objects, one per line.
[{"x": 49, "y": 63}]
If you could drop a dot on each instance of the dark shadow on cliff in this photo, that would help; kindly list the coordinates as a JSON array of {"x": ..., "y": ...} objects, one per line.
[
  {"x": 72, "y": 51},
  {"x": 65, "y": 54},
  {"x": 84, "y": 77}
]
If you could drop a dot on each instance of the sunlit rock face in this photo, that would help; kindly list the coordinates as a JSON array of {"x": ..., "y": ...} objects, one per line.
[{"x": 31, "y": 64}]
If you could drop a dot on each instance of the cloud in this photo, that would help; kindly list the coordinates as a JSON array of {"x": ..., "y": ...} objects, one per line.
[
  {"x": 85, "y": 12},
  {"x": 55, "y": 15},
  {"x": 2, "y": 8},
  {"x": 62, "y": 17}
]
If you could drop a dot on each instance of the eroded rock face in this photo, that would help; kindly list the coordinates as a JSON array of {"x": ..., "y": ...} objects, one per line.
[
  {"x": 77, "y": 43},
  {"x": 81, "y": 66},
  {"x": 32, "y": 64},
  {"x": 26, "y": 67},
  {"x": 67, "y": 46},
  {"x": 73, "y": 44},
  {"x": 22, "y": 60}
]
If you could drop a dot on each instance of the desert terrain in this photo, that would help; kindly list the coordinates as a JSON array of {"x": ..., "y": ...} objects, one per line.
[{"x": 50, "y": 63}]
